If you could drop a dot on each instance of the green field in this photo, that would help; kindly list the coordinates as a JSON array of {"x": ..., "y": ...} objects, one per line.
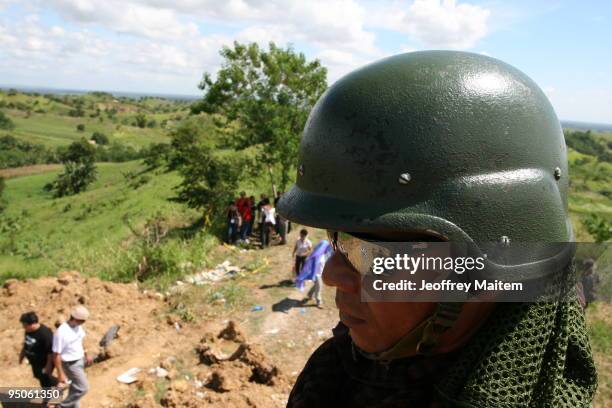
[
  {"x": 70, "y": 232},
  {"x": 41, "y": 120}
]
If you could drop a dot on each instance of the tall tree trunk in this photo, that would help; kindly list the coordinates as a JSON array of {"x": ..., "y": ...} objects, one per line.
[{"x": 272, "y": 180}]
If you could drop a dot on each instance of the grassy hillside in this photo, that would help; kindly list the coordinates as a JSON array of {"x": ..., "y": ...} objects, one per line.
[
  {"x": 52, "y": 120},
  {"x": 590, "y": 181},
  {"x": 42, "y": 235}
]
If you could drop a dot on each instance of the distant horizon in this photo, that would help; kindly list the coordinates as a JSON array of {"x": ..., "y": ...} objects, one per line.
[
  {"x": 115, "y": 92},
  {"x": 178, "y": 96}
]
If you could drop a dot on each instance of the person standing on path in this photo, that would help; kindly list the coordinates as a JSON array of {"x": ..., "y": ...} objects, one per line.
[
  {"x": 234, "y": 221},
  {"x": 70, "y": 358},
  {"x": 268, "y": 215},
  {"x": 313, "y": 270},
  {"x": 301, "y": 250}
]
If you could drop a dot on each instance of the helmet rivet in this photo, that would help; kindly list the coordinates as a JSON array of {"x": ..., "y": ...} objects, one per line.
[
  {"x": 504, "y": 241},
  {"x": 301, "y": 169},
  {"x": 404, "y": 178},
  {"x": 557, "y": 173}
]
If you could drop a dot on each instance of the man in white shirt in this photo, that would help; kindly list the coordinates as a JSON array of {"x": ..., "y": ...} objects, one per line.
[
  {"x": 301, "y": 250},
  {"x": 70, "y": 358}
]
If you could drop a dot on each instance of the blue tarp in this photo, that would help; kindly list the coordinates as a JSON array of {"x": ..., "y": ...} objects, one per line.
[{"x": 314, "y": 263}]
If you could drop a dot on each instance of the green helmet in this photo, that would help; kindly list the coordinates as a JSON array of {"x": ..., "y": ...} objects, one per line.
[
  {"x": 452, "y": 144},
  {"x": 466, "y": 148}
]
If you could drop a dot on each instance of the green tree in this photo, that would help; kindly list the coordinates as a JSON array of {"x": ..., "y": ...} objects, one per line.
[
  {"x": 264, "y": 98},
  {"x": 78, "y": 111},
  {"x": 79, "y": 170},
  {"x": 186, "y": 135},
  {"x": 210, "y": 179},
  {"x": 5, "y": 122},
  {"x": 2, "y": 202},
  {"x": 99, "y": 138},
  {"x": 157, "y": 155},
  {"x": 80, "y": 127},
  {"x": 140, "y": 120},
  {"x": 599, "y": 228},
  {"x": 15, "y": 153}
]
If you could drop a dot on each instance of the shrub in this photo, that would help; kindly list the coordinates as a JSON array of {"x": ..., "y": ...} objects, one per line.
[
  {"x": 2, "y": 186},
  {"x": 5, "y": 122},
  {"x": 599, "y": 228},
  {"x": 118, "y": 152},
  {"x": 157, "y": 155},
  {"x": 99, "y": 138},
  {"x": 16, "y": 153},
  {"x": 79, "y": 170},
  {"x": 140, "y": 120}
]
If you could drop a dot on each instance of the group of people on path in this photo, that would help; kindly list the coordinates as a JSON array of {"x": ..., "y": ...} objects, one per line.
[
  {"x": 245, "y": 218},
  {"x": 61, "y": 352}
]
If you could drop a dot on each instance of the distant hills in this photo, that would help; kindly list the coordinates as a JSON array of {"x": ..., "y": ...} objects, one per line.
[
  {"x": 597, "y": 127},
  {"x": 568, "y": 124},
  {"x": 133, "y": 95}
]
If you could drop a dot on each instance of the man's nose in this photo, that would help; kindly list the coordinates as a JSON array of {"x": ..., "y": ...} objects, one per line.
[{"x": 339, "y": 273}]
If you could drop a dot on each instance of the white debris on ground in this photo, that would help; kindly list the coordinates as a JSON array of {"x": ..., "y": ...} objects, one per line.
[
  {"x": 159, "y": 372},
  {"x": 222, "y": 271},
  {"x": 129, "y": 377}
]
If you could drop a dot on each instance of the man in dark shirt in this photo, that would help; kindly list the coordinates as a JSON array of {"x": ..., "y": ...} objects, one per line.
[{"x": 37, "y": 349}]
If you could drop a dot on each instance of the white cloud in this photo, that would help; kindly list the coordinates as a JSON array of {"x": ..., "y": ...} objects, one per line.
[
  {"x": 49, "y": 53},
  {"x": 338, "y": 23},
  {"x": 439, "y": 23},
  {"x": 5, "y": 3},
  {"x": 125, "y": 17},
  {"x": 331, "y": 28},
  {"x": 339, "y": 63},
  {"x": 165, "y": 38}
]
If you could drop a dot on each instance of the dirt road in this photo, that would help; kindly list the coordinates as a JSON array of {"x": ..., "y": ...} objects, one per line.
[{"x": 153, "y": 336}]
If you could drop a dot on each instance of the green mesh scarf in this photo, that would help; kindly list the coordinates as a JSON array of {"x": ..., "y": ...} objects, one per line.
[{"x": 527, "y": 355}]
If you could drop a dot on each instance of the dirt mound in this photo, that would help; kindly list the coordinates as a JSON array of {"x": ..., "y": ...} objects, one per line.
[
  {"x": 53, "y": 298},
  {"x": 243, "y": 378},
  {"x": 137, "y": 313},
  {"x": 174, "y": 368}
]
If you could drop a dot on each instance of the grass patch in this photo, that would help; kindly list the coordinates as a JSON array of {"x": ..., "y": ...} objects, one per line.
[
  {"x": 600, "y": 333},
  {"x": 161, "y": 387},
  {"x": 42, "y": 235},
  {"x": 233, "y": 293}
]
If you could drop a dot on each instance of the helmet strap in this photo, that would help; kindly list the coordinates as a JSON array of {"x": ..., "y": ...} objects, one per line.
[{"x": 423, "y": 339}]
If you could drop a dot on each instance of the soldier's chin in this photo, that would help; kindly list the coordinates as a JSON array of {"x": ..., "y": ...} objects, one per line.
[{"x": 365, "y": 340}]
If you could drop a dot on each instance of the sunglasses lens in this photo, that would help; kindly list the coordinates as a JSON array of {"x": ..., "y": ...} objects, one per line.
[
  {"x": 350, "y": 248},
  {"x": 333, "y": 239}
]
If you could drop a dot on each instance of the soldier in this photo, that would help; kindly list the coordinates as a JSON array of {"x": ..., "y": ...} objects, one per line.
[{"x": 439, "y": 146}]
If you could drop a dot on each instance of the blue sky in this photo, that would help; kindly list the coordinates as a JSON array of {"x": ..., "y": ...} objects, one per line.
[{"x": 164, "y": 46}]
